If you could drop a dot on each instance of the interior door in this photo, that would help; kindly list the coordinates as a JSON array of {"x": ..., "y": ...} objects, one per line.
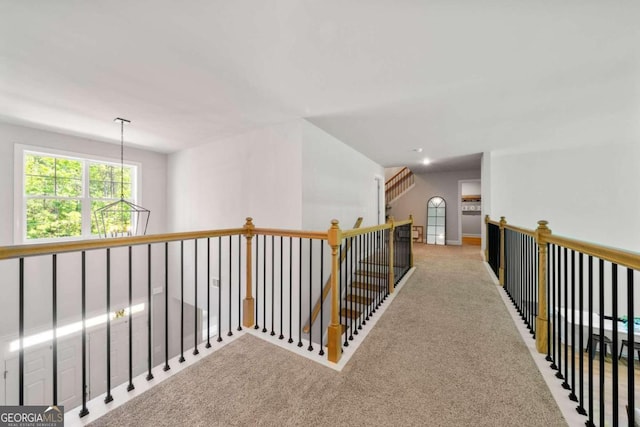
[{"x": 436, "y": 221}]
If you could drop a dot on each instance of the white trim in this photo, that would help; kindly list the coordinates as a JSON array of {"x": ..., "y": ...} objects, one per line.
[
  {"x": 454, "y": 242},
  {"x": 19, "y": 213}
]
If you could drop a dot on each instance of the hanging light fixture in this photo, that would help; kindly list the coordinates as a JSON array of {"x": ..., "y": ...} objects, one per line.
[{"x": 122, "y": 218}]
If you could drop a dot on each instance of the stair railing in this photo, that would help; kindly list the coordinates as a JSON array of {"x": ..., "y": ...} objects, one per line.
[
  {"x": 327, "y": 286},
  {"x": 575, "y": 301},
  {"x": 398, "y": 183},
  {"x": 136, "y": 278}
]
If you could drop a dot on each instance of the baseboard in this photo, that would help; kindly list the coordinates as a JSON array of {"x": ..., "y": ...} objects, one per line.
[{"x": 454, "y": 242}]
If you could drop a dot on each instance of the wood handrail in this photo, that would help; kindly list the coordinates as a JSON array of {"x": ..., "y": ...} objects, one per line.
[
  {"x": 398, "y": 173},
  {"x": 397, "y": 184},
  {"x": 617, "y": 256},
  {"x": 21, "y": 251},
  {"x": 327, "y": 287},
  {"x": 322, "y": 235}
]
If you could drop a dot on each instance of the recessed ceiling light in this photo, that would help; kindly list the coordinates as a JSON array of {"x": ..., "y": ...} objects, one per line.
[{"x": 426, "y": 161}]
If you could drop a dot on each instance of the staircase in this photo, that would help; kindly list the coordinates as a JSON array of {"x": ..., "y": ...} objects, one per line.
[{"x": 399, "y": 184}]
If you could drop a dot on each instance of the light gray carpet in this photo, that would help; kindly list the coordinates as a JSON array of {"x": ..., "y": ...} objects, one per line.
[{"x": 445, "y": 353}]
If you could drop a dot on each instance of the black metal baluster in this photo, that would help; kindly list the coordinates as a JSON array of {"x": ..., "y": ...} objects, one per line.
[
  {"x": 601, "y": 339},
  {"x": 343, "y": 285},
  {"x": 208, "y": 345},
  {"x": 149, "y": 341},
  {"x": 219, "y": 339},
  {"x": 614, "y": 339},
  {"x": 630, "y": 349},
  {"x": 273, "y": 275},
  {"x": 281, "y": 336},
  {"x": 54, "y": 312},
  {"x": 362, "y": 259},
  {"x": 290, "y": 290},
  {"x": 257, "y": 326},
  {"x": 166, "y": 307},
  {"x": 310, "y": 348},
  {"x": 321, "y": 297},
  {"x": 590, "y": 344},
  {"x": 230, "y": 333},
  {"x": 181, "y": 302},
  {"x": 264, "y": 283},
  {"x": 352, "y": 290},
  {"x": 549, "y": 296},
  {"x": 552, "y": 308},
  {"x": 572, "y": 395},
  {"x": 195, "y": 297},
  {"x": 84, "y": 411},
  {"x": 109, "y": 397},
  {"x": 300, "y": 292},
  {"x": 239, "y": 282},
  {"x": 21, "y": 335},
  {"x": 130, "y": 386},
  {"x": 580, "y": 407},
  {"x": 565, "y": 384}
]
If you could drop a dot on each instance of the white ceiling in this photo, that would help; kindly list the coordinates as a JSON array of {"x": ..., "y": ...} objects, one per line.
[{"x": 452, "y": 77}]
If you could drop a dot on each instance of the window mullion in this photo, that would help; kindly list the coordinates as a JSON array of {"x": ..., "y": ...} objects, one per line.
[{"x": 86, "y": 201}]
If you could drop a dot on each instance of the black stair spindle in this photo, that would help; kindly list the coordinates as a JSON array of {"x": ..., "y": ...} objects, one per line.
[
  {"x": 181, "y": 302},
  {"x": 21, "y": 334},
  {"x": 239, "y": 282},
  {"x": 601, "y": 338},
  {"x": 549, "y": 296},
  {"x": 109, "y": 397},
  {"x": 54, "y": 321},
  {"x": 630, "y": 348},
  {"x": 321, "y": 353},
  {"x": 84, "y": 411},
  {"x": 565, "y": 384},
  {"x": 166, "y": 307},
  {"x": 273, "y": 275},
  {"x": 572, "y": 395},
  {"x": 310, "y": 348},
  {"x": 580, "y": 408},
  {"x": 219, "y": 319},
  {"x": 264, "y": 283},
  {"x": 208, "y": 345},
  {"x": 257, "y": 281},
  {"x": 130, "y": 265},
  {"x": 614, "y": 339},
  {"x": 195, "y": 298},
  {"x": 552, "y": 272},
  {"x": 343, "y": 283},
  {"x": 352, "y": 289},
  {"x": 290, "y": 290},
  {"x": 281, "y": 336},
  {"x": 230, "y": 333},
  {"x": 590, "y": 343},
  {"x": 300, "y": 292},
  {"x": 149, "y": 306}
]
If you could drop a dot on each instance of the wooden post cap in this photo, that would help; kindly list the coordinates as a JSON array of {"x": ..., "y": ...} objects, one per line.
[
  {"x": 486, "y": 219},
  {"x": 542, "y": 224}
]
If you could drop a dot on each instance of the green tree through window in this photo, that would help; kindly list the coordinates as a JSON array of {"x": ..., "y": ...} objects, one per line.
[{"x": 60, "y": 193}]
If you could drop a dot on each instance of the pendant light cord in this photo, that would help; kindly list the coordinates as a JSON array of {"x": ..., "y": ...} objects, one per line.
[{"x": 122, "y": 159}]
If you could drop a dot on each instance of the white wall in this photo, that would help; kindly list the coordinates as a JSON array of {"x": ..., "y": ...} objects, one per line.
[
  {"x": 427, "y": 185},
  {"x": 589, "y": 193},
  {"x": 219, "y": 184},
  {"x": 154, "y": 169},
  {"x": 337, "y": 182}
]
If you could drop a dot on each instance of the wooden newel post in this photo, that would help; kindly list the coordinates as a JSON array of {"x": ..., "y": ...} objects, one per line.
[
  {"x": 486, "y": 238},
  {"x": 503, "y": 222},
  {"x": 411, "y": 242},
  {"x": 248, "y": 303},
  {"x": 334, "y": 344},
  {"x": 542, "y": 321},
  {"x": 392, "y": 279}
]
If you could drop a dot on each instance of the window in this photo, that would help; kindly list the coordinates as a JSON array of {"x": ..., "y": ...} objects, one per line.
[{"x": 60, "y": 191}]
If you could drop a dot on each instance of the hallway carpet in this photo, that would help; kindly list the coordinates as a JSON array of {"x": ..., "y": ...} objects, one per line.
[{"x": 445, "y": 353}]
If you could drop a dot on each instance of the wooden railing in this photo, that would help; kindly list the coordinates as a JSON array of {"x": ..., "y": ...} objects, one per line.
[
  {"x": 191, "y": 258},
  {"x": 398, "y": 184},
  {"x": 580, "y": 303},
  {"x": 327, "y": 286}
]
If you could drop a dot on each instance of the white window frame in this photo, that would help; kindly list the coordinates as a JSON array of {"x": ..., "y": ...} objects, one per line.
[{"x": 20, "y": 213}]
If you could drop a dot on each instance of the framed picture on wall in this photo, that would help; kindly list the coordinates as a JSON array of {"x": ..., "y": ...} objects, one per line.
[{"x": 418, "y": 233}]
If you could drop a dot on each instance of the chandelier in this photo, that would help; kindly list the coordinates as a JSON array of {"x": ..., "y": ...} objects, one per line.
[{"x": 121, "y": 218}]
